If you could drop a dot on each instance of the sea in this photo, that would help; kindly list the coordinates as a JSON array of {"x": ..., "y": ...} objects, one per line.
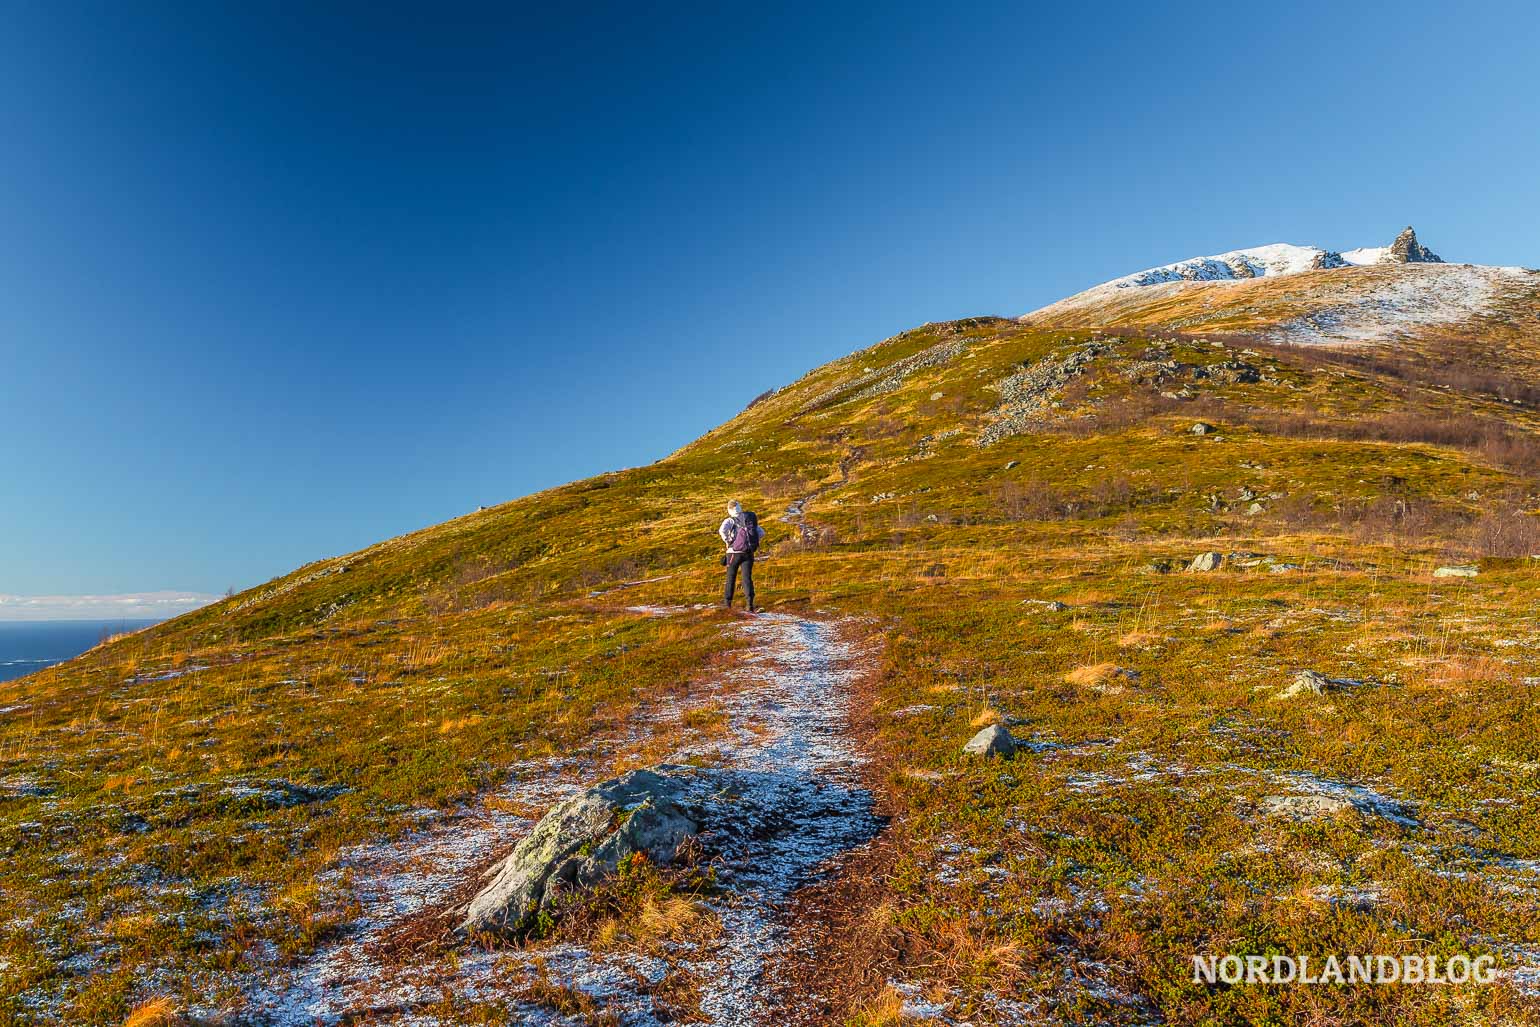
[{"x": 29, "y": 646}]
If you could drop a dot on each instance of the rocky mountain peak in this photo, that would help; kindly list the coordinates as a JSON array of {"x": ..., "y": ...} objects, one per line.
[{"x": 1407, "y": 250}]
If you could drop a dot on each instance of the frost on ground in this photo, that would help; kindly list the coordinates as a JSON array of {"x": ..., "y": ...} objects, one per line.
[
  {"x": 786, "y": 782},
  {"x": 1418, "y": 296}
]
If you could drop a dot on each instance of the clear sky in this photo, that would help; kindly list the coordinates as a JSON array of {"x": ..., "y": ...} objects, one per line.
[{"x": 279, "y": 283}]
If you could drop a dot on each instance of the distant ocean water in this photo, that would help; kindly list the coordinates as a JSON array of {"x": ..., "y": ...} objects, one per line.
[{"x": 28, "y": 646}]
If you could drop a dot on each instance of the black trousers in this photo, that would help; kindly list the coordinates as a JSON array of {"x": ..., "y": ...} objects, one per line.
[{"x": 734, "y": 561}]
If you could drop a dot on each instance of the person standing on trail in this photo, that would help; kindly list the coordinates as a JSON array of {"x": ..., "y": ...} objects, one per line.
[{"x": 741, "y": 533}]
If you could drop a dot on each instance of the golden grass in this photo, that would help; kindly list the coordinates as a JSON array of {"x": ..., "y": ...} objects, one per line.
[
  {"x": 1093, "y": 674},
  {"x": 155, "y": 1012},
  {"x": 886, "y": 1009},
  {"x": 1471, "y": 670}
]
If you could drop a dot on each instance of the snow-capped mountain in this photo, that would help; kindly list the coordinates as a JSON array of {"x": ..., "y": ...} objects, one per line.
[
  {"x": 1307, "y": 294},
  {"x": 1277, "y": 259}
]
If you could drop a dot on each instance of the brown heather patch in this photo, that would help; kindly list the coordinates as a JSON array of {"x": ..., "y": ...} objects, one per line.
[{"x": 545, "y": 993}]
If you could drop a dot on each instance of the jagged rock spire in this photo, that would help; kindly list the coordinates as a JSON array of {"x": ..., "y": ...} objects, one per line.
[{"x": 1407, "y": 250}]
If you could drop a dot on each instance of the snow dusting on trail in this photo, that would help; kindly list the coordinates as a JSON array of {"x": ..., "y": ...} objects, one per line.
[
  {"x": 804, "y": 767},
  {"x": 786, "y": 774}
]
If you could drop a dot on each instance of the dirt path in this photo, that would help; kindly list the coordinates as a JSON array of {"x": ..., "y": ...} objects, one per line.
[{"x": 792, "y": 773}]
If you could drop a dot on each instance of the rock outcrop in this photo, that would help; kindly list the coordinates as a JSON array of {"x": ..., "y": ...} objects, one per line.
[
  {"x": 1407, "y": 250},
  {"x": 1027, "y": 396}
]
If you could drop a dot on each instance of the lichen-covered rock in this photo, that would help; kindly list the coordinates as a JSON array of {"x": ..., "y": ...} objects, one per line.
[
  {"x": 579, "y": 843},
  {"x": 994, "y": 740},
  {"x": 1462, "y": 570}
]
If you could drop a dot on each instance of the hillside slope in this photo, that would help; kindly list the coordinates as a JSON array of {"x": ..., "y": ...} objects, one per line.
[{"x": 1000, "y": 513}]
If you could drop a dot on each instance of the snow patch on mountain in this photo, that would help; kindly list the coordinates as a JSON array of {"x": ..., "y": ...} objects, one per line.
[
  {"x": 1366, "y": 255},
  {"x": 1236, "y": 265}
]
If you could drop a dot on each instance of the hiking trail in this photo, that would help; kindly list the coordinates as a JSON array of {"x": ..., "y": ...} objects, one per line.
[{"x": 787, "y": 751}]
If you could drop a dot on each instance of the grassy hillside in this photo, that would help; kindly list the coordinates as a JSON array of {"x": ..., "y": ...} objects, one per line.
[{"x": 1009, "y": 508}]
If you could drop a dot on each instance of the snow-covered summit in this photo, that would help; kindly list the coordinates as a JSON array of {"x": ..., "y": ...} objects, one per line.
[
  {"x": 1334, "y": 298},
  {"x": 1277, "y": 259}
]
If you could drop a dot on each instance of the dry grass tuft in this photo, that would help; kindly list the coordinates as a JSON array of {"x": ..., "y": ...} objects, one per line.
[
  {"x": 987, "y": 716},
  {"x": 1093, "y": 674},
  {"x": 1471, "y": 670},
  {"x": 156, "y": 1012},
  {"x": 884, "y": 1010}
]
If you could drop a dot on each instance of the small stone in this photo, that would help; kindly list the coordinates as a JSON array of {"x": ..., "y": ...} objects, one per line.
[
  {"x": 994, "y": 740},
  {"x": 936, "y": 395},
  {"x": 1052, "y": 605},
  {"x": 1209, "y": 561},
  {"x": 1463, "y": 570},
  {"x": 1201, "y": 428},
  {"x": 1254, "y": 509},
  {"x": 1013, "y": 465}
]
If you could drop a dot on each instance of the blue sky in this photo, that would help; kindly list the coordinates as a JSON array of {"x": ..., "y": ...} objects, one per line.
[{"x": 279, "y": 283}]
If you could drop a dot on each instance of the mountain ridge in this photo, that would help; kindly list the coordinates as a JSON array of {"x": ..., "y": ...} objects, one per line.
[{"x": 1277, "y": 259}]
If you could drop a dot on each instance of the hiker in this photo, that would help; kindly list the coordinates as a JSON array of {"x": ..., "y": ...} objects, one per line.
[{"x": 741, "y": 533}]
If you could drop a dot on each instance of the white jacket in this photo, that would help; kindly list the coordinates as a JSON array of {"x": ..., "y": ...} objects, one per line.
[{"x": 729, "y": 530}]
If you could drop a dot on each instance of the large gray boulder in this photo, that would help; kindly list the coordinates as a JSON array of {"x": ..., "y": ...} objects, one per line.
[
  {"x": 994, "y": 740},
  {"x": 579, "y": 843}
]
